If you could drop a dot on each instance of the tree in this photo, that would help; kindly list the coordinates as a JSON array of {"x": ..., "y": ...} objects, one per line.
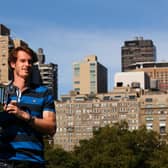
[
  {"x": 116, "y": 147},
  {"x": 113, "y": 147},
  {"x": 58, "y": 158},
  {"x": 159, "y": 157}
]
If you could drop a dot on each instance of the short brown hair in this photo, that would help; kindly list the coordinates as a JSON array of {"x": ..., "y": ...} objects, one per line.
[{"x": 14, "y": 52}]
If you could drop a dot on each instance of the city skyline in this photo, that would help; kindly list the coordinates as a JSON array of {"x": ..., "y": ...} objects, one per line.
[{"x": 69, "y": 31}]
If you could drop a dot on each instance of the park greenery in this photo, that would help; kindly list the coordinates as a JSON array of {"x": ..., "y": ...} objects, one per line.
[{"x": 113, "y": 147}]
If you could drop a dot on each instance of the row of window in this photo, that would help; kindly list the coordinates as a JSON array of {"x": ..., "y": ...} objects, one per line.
[
  {"x": 151, "y": 111},
  {"x": 162, "y": 127},
  {"x": 90, "y": 105}
]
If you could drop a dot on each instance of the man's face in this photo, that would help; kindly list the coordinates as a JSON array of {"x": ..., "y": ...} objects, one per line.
[{"x": 22, "y": 66}]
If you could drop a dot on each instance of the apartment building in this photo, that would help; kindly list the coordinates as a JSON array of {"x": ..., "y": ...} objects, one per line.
[
  {"x": 156, "y": 71},
  {"x": 137, "y": 50},
  {"x": 6, "y": 44},
  {"x": 154, "y": 112},
  {"x": 79, "y": 115},
  {"x": 89, "y": 76}
]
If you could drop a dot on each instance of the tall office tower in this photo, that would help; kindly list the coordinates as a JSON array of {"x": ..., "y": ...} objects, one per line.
[
  {"x": 6, "y": 44},
  {"x": 89, "y": 76},
  {"x": 46, "y": 73},
  {"x": 138, "y": 50}
]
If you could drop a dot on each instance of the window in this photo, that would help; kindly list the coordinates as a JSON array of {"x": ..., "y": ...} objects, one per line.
[
  {"x": 162, "y": 128},
  {"x": 76, "y": 70},
  {"x": 76, "y": 82},
  {"x": 92, "y": 65},
  {"x": 77, "y": 89},
  {"x": 92, "y": 77},
  {"x": 149, "y": 126},
  {"x": 149, "y": 118},
  {"x": 132, "y": 97},
  {"x": 148, "y": 99}
]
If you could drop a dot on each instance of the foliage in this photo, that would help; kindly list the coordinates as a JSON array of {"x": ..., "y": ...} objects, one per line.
[
  {"x": 113, "y": 147},
  {"x": 58, "y": 158},
  {"x": 159, "y": 157}
]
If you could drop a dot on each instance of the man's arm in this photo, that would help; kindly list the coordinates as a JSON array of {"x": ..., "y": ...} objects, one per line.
[{"x": 46, "y": 125}]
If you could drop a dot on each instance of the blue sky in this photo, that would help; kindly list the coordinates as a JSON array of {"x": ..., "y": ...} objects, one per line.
[{"x": 69, "y": 30}]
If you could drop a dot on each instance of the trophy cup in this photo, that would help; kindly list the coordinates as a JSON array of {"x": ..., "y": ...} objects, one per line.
[
  {"x": 2, "y": 96},
  {"x": 6, "y": 91}
]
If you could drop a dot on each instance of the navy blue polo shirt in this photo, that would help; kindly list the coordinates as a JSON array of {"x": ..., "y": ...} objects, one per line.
[{"x": 18, "y": 140}]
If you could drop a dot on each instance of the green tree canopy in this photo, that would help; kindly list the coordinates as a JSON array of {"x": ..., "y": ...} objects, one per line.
[
  {"x": 114, "y": 147},
  {"x": 117, "y": 147}
]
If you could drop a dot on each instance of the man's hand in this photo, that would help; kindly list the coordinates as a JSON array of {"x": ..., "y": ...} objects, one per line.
[{"x": 13, "y": 108}]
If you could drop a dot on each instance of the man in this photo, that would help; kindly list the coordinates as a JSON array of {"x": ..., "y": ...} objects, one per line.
[{"x": 29, "y": 113}]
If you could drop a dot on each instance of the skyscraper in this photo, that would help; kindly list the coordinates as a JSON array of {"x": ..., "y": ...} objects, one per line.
[
  {"x": 47, "y": 72},
  {"x": 6, "y": 44},
  {"x": 138, "y": 50},
  {"x": 89, "y": 76}
]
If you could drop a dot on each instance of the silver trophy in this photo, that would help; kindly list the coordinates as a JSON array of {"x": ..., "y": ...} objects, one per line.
[
  {"x": 2, "y": 96},
  {"x": 6, "y": 91}
]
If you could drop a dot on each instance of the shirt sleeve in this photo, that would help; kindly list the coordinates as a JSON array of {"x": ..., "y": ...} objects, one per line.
[{"x": 49, "y": 102}]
